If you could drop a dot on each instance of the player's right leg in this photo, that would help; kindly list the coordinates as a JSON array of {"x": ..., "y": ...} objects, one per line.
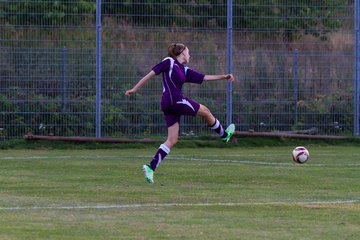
[{"x": 215, "y": 124}]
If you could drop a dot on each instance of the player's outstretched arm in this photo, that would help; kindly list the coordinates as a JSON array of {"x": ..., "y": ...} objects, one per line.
[
  {"x": 229, "y": 77},
  {"x": 144, "y": 80}
]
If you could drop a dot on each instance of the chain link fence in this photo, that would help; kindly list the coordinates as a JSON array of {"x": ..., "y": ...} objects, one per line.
[{"x": 294, "y": 65}]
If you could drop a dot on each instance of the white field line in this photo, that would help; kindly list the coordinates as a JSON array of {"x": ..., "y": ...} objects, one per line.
[
  {"x": 269, "y": 163},
  {"x": 183, "y": 158},
  {"x": 163, "y": 205}
]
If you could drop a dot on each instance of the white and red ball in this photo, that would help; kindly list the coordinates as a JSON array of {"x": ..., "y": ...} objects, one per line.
[{"x": 300, "y": 155}]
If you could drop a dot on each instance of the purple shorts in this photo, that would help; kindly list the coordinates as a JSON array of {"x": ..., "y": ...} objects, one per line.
[{"x": 184, "y": 106}]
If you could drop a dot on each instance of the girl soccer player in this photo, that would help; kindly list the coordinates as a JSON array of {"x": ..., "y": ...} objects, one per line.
[{"x": 174, "y": 104}]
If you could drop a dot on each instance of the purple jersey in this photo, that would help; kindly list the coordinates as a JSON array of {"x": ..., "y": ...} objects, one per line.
[
  {"x": 173, "y": 103},
  {"x": 174, "y": 76}
]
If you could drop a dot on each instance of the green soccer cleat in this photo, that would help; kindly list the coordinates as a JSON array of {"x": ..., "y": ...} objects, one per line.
[
  {"x": 149, "y": 174},
  {"x": 230, "y": 131}
]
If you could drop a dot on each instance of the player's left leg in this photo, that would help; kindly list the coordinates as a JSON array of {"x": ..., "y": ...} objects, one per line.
[
  {"x": 162, "y": 152},
  {"x": 164, "y": 149}
]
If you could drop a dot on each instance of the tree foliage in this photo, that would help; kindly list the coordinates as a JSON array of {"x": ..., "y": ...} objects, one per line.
[
  {"x": 45, "y": 12},
  {"x": 291, "y": 18}
]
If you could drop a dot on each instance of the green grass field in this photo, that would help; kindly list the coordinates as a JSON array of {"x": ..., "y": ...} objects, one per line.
[{"x": 199, "y": 193}]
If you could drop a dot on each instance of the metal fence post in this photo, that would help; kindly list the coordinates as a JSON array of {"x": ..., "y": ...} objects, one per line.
[
  {"x": 229, "y": 61},
  {"x": 98, "y": 68},
  {"x": 296, "y": 87},
  {"x": 64, "y": 84},
  {"x": 356, "y": 68}
]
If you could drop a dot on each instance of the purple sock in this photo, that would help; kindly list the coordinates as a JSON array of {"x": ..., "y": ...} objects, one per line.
[
  {"x": 218, "y": 128},
  {"x": 159, "y": 156}
]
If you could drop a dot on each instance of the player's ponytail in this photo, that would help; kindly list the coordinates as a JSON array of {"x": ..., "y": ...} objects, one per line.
[{"x": 175, "y": 49}]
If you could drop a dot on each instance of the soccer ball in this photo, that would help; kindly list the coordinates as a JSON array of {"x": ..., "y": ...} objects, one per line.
[{"x": 300, "y": 155}]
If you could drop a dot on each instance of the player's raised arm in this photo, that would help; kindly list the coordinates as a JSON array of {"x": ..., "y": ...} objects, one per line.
[
  {"x": 142, "y": 81},
  {"x": 229, "y": 77}
]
